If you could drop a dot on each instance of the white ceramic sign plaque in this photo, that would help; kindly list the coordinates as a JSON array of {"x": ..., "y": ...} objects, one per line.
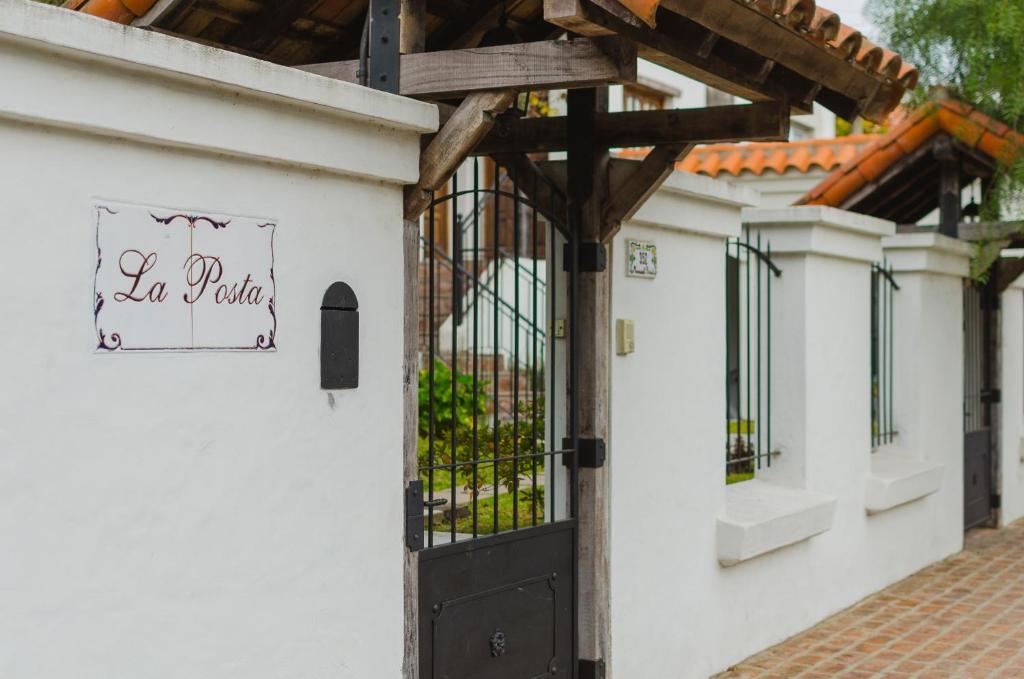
[
  {"x": 169, "y": 280},
  {"x": 642, "y": 259}
]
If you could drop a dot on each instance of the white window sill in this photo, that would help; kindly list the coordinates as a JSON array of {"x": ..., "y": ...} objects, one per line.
[
  {"x": 897, "y": 478},
  {"x": 761, "y": 517}
]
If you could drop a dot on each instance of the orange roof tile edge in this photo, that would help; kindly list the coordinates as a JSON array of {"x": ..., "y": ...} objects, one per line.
[
  {"x": 966, "y": 124},
  {"x": 119, "y": 11},
  {"x": 817, "y": 24},
  {"x": 757, "y": 158}
]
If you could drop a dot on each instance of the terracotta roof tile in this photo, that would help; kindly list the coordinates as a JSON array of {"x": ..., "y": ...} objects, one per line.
[
  {"x": 969, "y": 126},
  {"x": 121, "y": 11},
  {"x": 778, "y": 157},
  {"x": 804, "y": 17}
]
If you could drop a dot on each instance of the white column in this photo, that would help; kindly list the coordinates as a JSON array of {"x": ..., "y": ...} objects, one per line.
[
  {"x": 929, "y": 360},
  {"x": 666, "y": 454},
  {"x": 821, "y": 343}
]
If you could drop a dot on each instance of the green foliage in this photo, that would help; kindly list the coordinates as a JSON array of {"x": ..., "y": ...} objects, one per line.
[
  {"x": 502, "y": 441},
  {"x": 443, "y": 394},
  {"x": 974, "y": 49}
]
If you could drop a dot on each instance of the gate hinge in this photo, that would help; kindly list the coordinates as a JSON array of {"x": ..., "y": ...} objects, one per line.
[
  {"x": 996, "y": 500},
  {"x": 592, "y": 453},
  {"x": 414, "y": 516},
  {"x": 593, "y": 257},
  {"x": 991, "y": 396},
  {"x": 591, "y": 669}
]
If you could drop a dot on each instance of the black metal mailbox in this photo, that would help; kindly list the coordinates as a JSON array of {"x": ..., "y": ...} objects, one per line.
[{"x": 339, "y": 338}]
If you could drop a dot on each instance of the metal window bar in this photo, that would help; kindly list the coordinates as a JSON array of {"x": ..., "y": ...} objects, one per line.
[
  {"x": 975, "y": 412},
  {"x": 749, "y": 271},
  {"x": 487, "y": 441},
  {"x": 883, "y": 289}
]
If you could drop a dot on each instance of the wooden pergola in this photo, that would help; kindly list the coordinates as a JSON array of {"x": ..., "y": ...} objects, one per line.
[{"x": 472, "y": 57}]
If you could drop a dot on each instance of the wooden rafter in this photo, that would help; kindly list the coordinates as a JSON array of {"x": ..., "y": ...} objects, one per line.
[
  {"x": 749, "y": 122},
  {"x": 549, "y": 64},
  {"x": 737, "y": 49},
  {"x": 746, "y": 25},
  {"x": 688, "y": 48},
  {"x": 464, "y": 129},
  {"x": 1007, "y": 271},
  {"x": 989, "y": 231},
  {"x": 260, "y": 32},
  {"x": 629, "y": 194}
]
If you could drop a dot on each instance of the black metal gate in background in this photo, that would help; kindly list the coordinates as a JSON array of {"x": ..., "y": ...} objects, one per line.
[
  {"x": 979, "y": 395},
  {"x": 494, "y": 508}
]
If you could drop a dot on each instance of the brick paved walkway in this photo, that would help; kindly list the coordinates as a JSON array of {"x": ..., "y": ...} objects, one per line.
[{"x": 962, "y": 618}]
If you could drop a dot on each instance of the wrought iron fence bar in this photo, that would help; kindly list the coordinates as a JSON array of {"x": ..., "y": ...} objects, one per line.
[
  {"x": 749, "y": 271},
  {"x": 768, "y": 340},
  {"x": 456, "y": 306},
  {"x": 447, "y": 261},
  {"x": 476, "y": 351},
  {"x": 446, "y": 466},
  {"x": 516, "y": 365},
  {"x": 432, "y": 263},
  {"x": 882, "y": 336},
  {"x": 497, "y": 346},
  {"x": 746, "y": 271},
  {"x": 759, "y": 336},
  {"x": 453, "y": 450}
]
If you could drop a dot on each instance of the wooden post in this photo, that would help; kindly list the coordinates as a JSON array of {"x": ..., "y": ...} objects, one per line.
[
  {"x": 949, "y": 190},
  {"x": 413, "y": 26},
  {"x": 410, "y": 432},
  {"x": 587, "y": 184}
]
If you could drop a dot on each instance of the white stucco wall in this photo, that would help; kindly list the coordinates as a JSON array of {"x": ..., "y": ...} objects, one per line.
[
  {"x": 676, "y": 611},
  {"x": 208, "y": 514}
]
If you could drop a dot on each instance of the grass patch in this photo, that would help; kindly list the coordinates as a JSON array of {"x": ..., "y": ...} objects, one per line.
[
  {"x": 738, "y": 478},
  {"x": 443, "y": 477},
  {"x": 485, "y": 512}
]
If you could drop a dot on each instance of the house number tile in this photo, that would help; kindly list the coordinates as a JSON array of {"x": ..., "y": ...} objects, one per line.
[
  {"x": 642, "y": 259},
  {"x": 170, "y": 280}
]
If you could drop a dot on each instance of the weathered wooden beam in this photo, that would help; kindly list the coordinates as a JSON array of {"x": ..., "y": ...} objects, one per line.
[
  {"x": 765, "y": 121},
  {"x": 683, "y": 47},
  {"x": 988, "y": 231},
  {"x": 465, "y": 128},
  {"x": 413, "y": 26},
  {"x": 628, "y": 195},
  {"x": 544, "y": 65},
  {"x": 1007, "y": 271},
  {"x": 746, "y": 25},
  {"x": 258, "y": 33},
  {"x": 587, "y": 179}
]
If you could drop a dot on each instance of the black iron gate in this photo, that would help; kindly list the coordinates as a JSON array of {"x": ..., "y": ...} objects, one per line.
[
  {"x": 979, "y": 396},
  {"x": 495, "y": 505}
]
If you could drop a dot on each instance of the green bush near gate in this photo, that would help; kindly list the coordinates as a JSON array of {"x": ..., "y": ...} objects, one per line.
[{"x": 502, "y": 441}]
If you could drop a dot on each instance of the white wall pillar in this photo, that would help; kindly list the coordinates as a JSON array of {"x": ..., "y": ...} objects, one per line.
[
  {"x": 821, "y": 343},
  {"x": 929, "y": 360},
  {"x": 667, "y": 434},
  {"x": 1011, "y": 420}
]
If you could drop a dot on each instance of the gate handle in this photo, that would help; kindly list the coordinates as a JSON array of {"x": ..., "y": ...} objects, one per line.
[{"x": 435, "y": 503}]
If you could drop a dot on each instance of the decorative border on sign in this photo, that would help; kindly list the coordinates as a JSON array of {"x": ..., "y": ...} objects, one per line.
[
  {"x": 269, "y": 342},
  {"x": 113, "y": 342},
  {"x": 192, "y": 220},
  {"x": 115, "y": 338}
]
